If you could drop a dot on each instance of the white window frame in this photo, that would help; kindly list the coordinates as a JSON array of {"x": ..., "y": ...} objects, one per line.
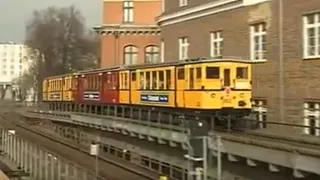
[
  {"x": 162, "y": 51},
  {"x": 260, "y": 34},
  {"x": 259, "y": 107},
  {"x": 316, "y": 27},
  {"x": 152, "y": 54},
  {"x": 183, "y": 48},
  {"x": 311, "y": 113},
  {"x": 163, "y": 5},
  {"x": 183, "y": 3},
  {"x": 216, "y": 44},
  {"x": 130, "y": 55},
  {"x": 128, "y": 14}
]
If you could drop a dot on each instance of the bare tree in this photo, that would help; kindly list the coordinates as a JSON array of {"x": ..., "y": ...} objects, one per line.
[{"x": 60, "y": 43}]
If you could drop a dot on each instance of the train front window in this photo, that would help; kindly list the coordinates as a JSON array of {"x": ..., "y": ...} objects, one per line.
[
  {"x": 242, "y": 72},
  {"x": 212, "y": 73}
]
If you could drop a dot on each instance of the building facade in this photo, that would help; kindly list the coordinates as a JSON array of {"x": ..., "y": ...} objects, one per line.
[
  {"x": 129, "y": 31},
  {"x": 281, "y": 37},
  {"x": 13, "y": 61}
]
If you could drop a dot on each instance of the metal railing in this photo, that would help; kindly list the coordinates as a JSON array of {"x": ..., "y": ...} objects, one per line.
[{"x": 40, "y": 163}]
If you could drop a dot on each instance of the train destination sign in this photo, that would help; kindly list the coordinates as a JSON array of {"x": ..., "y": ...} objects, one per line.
[{"x": 154, "y": 98}]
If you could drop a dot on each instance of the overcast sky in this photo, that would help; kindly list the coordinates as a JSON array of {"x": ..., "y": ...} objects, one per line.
[{"x": 14, "y": 13}]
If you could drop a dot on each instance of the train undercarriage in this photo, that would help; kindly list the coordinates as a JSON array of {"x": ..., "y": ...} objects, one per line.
[{"x": 223, "y": 119}]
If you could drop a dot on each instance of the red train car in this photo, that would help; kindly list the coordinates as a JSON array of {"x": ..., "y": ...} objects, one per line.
[
  {"x": 98, "y": 86},
  {"x": 110, "y": 87}
]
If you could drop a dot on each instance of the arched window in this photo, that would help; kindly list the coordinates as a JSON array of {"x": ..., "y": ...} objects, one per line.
[
  {"x": 130, "y": 55},
  {"x": 152, "y": 54}
]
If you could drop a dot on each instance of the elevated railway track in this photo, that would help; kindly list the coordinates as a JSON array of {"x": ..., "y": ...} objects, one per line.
[
  {"x": 107, "y": 169},
  {"x": 232, "y": 140},
  {"x": 296, "y": 153}
]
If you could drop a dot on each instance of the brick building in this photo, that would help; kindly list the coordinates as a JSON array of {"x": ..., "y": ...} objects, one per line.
[
  {"x": 281, "y": 37},
  {"x": 129, "y": 31}
]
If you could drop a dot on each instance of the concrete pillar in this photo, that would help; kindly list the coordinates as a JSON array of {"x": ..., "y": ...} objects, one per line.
[
  {"x": 59, "y": 169},
  {"x": 41, "y": 162},
  {"x": 46, "y": 164},
  {"x": 66, "y": 171},
  {"x": 75, "y": 172},
  {"x": 85, "y": 175}
]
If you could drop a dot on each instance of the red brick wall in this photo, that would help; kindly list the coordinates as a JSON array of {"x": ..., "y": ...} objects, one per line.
[
  {"x": 113, "y": 48},
  {"x": 145, "y": 12},
  {"x": 300, "y": 76}
]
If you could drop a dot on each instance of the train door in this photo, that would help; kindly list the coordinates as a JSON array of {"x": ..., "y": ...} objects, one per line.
[
  {"x": 74, "y": 88},
  {"x": 133, "y": 88},
  {"x": 180, "y": 86},
  {"x": 191, "y": 78},
  {"x": 226, "y": 78}
]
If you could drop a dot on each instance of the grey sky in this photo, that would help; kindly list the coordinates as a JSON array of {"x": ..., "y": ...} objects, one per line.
[{"x": 14, "y": 14}]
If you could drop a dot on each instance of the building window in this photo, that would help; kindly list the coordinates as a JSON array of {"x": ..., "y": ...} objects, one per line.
[
  {"x": 183, "y": 3},
  {"x": 183, "y": 48},
  {"x": 259, "y": 108},
  {"x": 258, "y": 41},
  {"x": 152, "y": 54},
  {"x": 4, "y": 73},
  {"x": 311, "y": 35},
  {"x": 312, "y": 118},
  {"x": 216, "y": 44},
  {"x": 128, "y": 11},
  {"x": 130, "y": 55}
]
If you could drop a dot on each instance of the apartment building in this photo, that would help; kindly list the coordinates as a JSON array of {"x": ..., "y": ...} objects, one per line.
[
  {"x": 281, "y": 37},
  {"x": 13, "y": 61},
  {"x": 129, "y": 32}
]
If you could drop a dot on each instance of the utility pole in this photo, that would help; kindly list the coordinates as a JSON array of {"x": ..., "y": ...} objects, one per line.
[
  {"x": 197, "y": 150},
  {"x": 94, "y": 151},
  {"x": 281, "y": 63},
  {"x": 219, "y": 166}
]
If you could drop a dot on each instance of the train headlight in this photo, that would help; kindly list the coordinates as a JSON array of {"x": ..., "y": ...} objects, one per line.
[
  {"x": 241, "y": 95},
  {"x": 213, "y": 95}
]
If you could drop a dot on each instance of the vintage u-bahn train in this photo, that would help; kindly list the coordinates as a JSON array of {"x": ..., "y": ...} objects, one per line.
[{"x": 200, "y": 86}]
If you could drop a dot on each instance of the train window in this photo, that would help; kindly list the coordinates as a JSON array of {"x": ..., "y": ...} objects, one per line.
[
  {"x": 98, "y": 82},
  {"x": 125, "y": 81},
  {"x": 242, "y": 72},
  {"x": 154, "y": 80},
  {"x": 198, "y": 73},
  {"x": 212, "y": 73},
  {"x": 142, "y": 81},
  {"x": 86, "y": 84},
  {"x": 147, "y": 80},
  {"x": 133, "y": 76},
  {"x": 168, "y": 74},
  {"x": 161, "y": 80},
  {"x": 180, "y": 73}
]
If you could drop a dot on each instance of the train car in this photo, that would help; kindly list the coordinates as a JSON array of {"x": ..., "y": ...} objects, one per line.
[
  {"x": 45, "y": 86},
  {"x": 99, "y": 86},
  {"x": 55, "y": 89},
  {"x": 205, "y": 85},
  {"x": 58, "y": 88},
  {"x": 198, "y": 86}
]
